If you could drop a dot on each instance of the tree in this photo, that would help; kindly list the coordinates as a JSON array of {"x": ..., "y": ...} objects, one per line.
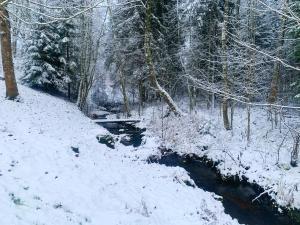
[
  {"x": 45, "y": 62},
  {"x": 273, "y": 95},
  {"x": 68, "y": 32},
  {"x": 225, "y": 65},
  {"x": 149, "y": 60},
  {"x": 89, "y": 52},
  {"x": 124, "y": 51},
  {"x": 167, "y": 42},
  {"x": 126, "y": 48},
  {"x": 51, "y": 56},
  {"x": 6, "y": 51}
]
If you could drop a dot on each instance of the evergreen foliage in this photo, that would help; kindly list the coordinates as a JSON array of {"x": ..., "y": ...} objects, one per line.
[{"x": 50, "y": 62}]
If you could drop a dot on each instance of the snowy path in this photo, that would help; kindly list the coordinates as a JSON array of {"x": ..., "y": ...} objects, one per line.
[{"x": 42, "y": 182}]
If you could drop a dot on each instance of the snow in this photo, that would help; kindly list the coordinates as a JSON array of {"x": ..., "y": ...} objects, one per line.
[
  {"x": 257, "y": 160},
  {"x": 43, "y": 182}
]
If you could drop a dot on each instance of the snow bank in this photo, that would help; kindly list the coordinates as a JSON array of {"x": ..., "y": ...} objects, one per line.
[
  {"x": 43, "y": 182},
  {"x": 203, "y": 133}
]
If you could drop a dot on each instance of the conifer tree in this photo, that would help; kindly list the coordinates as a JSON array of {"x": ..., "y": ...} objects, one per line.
[
  {"x": 44, "y": 58},
  {"x": 50, "y": 63}
]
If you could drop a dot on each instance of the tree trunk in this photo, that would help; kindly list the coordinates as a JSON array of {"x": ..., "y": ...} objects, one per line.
[
  {"x": 274, "y": 84},
  {"x": 225, "y": 68},
  {"x": 237, "y": 13},
  {"x": 6, "y": 51},
  {"x": 149, "y": 60},
  {"x": 142, "y": 95},
  {"x": 295, "y": 152},
  {"x": 273, "y": 95},
  {"x": 69, "y": 91},
  {"x": 192, "y": 97},
  {"x": 252, "y": 5},
  {"x": 82, "y": 94},
  {"x": 123, "y": 89},
  {"x": 88, "y": 58},
  {"x": 225, "y": 114},
  {"x": 248, "y": 123}
]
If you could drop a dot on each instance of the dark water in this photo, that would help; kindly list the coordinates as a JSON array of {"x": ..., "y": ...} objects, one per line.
[
  {"x": 237, "y": 195},
  {"x": 133, "y": 135}
]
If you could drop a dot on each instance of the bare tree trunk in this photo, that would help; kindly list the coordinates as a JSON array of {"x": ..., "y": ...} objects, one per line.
[
  {"x": 213, "y": 94},
  {"x": 295, "y": 152},
  {"x": 149, "y": 60},
  {"x": 225, "y": 114},
  {"x": 252, "y": 59},
  {"x": 192, "y": 96},
  {"x": 232, "y": 114},
  {"x": 82, "y": 93},
  {"x": 69, "y": 91},
  {"x": 225, "y": 67},
  {"x": 276, "y": 75},
  {"x": 210, "y": 73},
  {"x": 248, "y": 123},
  {"x": 142, "y": 95},
  {"x": 237, "y": 12},
  {"x": 6, "y": 51},
  {"x": 123, "y": 89},
  {"x": 88, "y": 58},
  {"x": 273, "y": 95}
]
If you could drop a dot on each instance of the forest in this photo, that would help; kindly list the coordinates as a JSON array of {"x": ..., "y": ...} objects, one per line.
[{"x": 129, "y": 112}]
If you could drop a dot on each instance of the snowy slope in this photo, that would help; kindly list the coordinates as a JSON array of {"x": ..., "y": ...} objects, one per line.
[{"x": 43, "y": 182}]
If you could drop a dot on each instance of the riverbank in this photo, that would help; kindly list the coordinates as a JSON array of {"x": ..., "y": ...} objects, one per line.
[
  {"x": 260, "y": 161},
  {"x": 54, "y": 171},
  {"x": 237, "y": 196}
]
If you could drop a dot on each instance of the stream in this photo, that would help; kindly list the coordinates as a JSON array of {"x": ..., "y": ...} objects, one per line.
[
  {"x": 131, "y": 135},
  {"x": 236, "y": 195}
]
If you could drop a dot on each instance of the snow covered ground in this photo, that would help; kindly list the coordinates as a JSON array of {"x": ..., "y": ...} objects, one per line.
[
  {"x": 43, "y": 182},
  {"x": 257, "y": 160}
]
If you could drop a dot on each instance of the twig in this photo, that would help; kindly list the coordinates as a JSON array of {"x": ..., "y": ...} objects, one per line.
[{"x": 261, "y": 194}]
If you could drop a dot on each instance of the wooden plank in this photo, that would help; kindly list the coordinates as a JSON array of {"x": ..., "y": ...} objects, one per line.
[{"x": 117, "y": 121}]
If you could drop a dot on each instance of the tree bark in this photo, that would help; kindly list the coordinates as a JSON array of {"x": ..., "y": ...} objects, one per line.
[
  {"x": 295, "y": 152},
  {"x": 123, "y": 89},
  {"x": 237, "y": 11},
  {"x": 252, "y": 59},
  {"x": 273, "y": 95},
  {"x": 6, "y": 51},
  {"x": 149, "y": 60},
  {"x": 142, "y": 95},
  {"x": 225, "y": 67},
  {"x": 88, "y": 58}
]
